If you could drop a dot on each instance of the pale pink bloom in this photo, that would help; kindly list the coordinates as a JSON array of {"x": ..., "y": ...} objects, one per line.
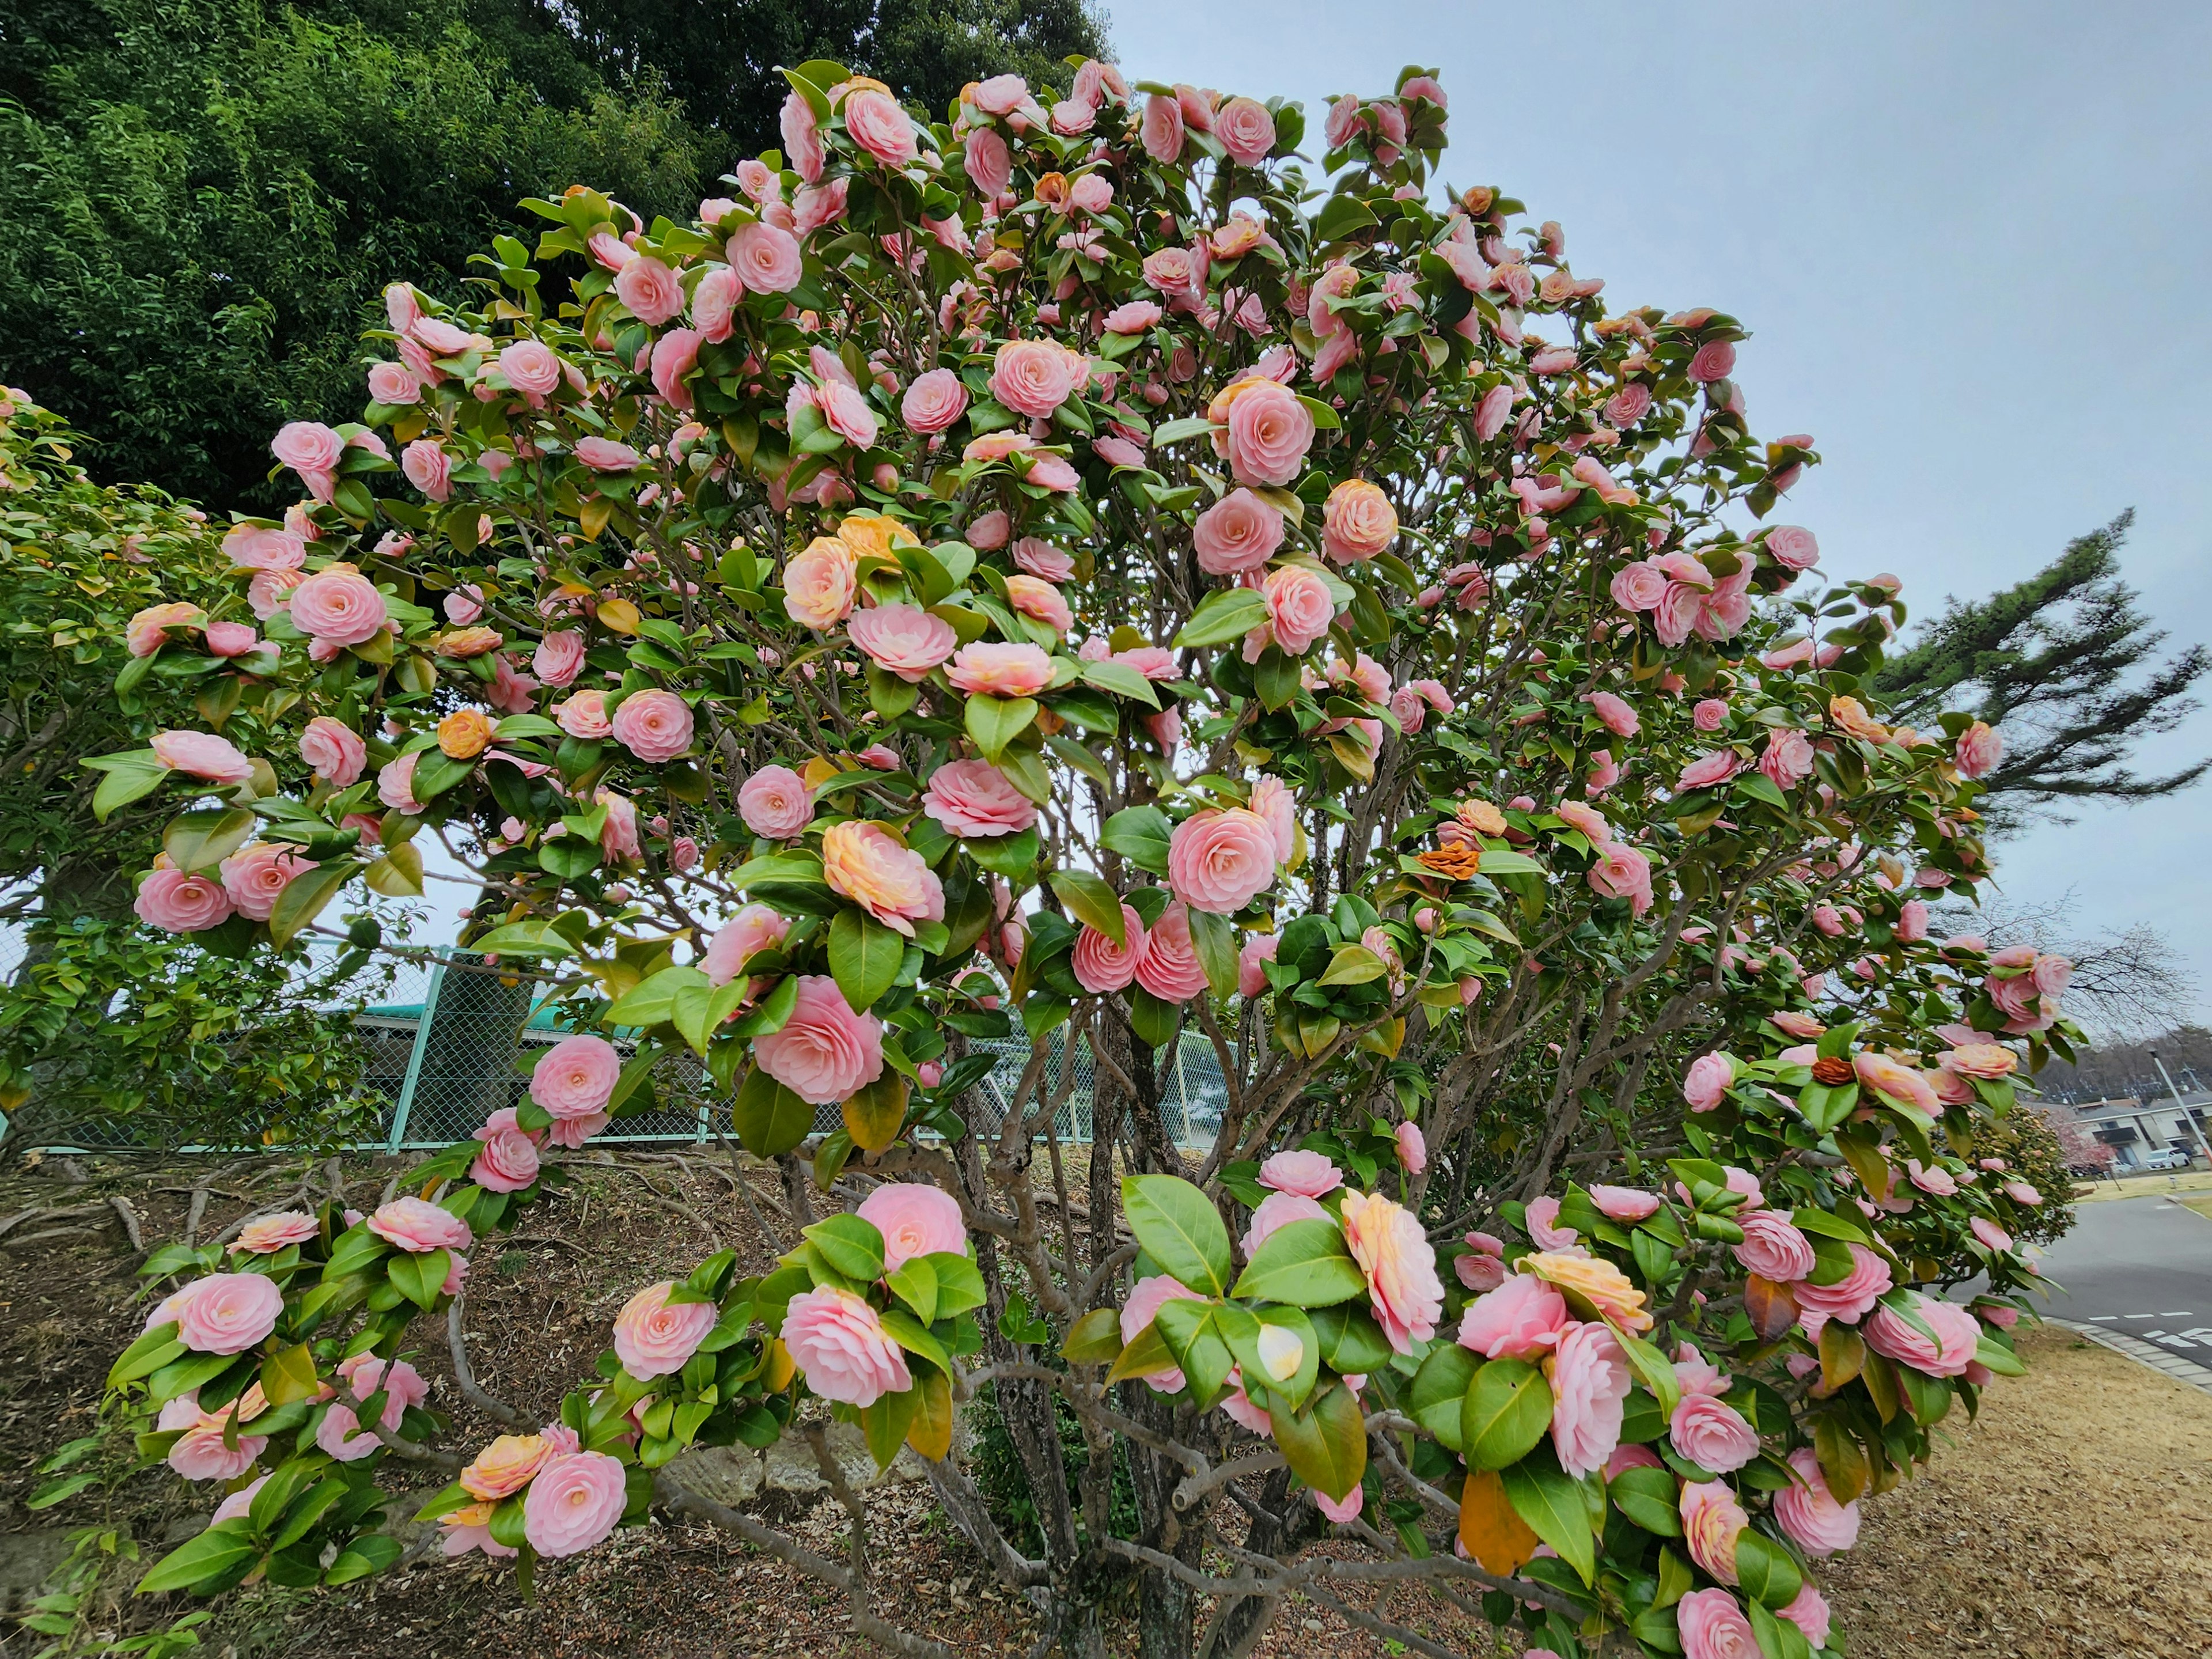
[
  {"x": 530, "y": 368},
  {"x": 238, "y": 1503},
  {"x": 1523, "y": 1318},
  {"x": 266, "y": 1235},
  {"x": 395, "y": 784},
  {"x": 558, "y": 658},
  {"x": 934, "y": 402},
  {"x": 1802, "y": 1026},
  {"x": 1308, "y": 1173},
  {"x": 1589, "y": 1385},
  {"x": 1043, "y": 560},
  {"x": 1957, "y": 1333},
  {"x": 874, "y": 121},
  {"x": 1040, "y": 601},
  {"x": 1979, "y": 750},
  {"x": 1809, "y": 1514},
  {"x": 1787, "y": 761},
  {"x": 508, "y": 1162},
  {"x": 1245, "y": 130},
  {"x": 1387, "y": 1241},
  {"x": 1714, "y": 360},
  {"x": 605, "y": 455},
  {"x": 417, "y": 1225},
  {"x": 1146, "y": 1298},
  {"x": 1219, "y": 859},
  {"x": 1712, "y": 1520},
  {"x": 915, "y": 1218},
  {"x": 754, "y": 928},
  {"x": 652, "y": 1339},
  {"x": 1163, "y": 128},
  {"x": 1937, "y": 1180},
  {"x": 340, "y": 1432},
  {"x": 1624, "y": 1204},
  {"x": 1895, "y": 1081},
  {"x": 180, "y": 903},
  {"x": 1616, "y": 715},
  {"x": 1808, "y": 1611},
  {"x": 840, "y": 1346},
  {"x": 584, "y": 716},
  {"x": 1712, "y": 1434},
  {"x": 1623, "y": 873},
  {"x": 1539, "y": 1220},
  {"x": 1772, "y": 1248},
  {"x": 200, "y": 1454},
  {"x": 653, "y": 725},
  {"x": 225, "y": 1313},
  {"x": 1713, "y": 1627},
  {"x": 1709, "y": 715},
  {"x": 1299, "y": 607},
  {"x": 902, "y": 638},
  {"x": 1035, "y": 377},
  {"x": 895, "y": 884},
  {"x": 973, "y": 798},
  {"x": 202, "y": 755},
  {"x": 766, "y": 257},
  {"x": 1708, "y": 769},
  {"x": 312, "y": 450},
  {"x": 1168, "y": 965},
  {"x": 394, "y": 384},
  {"x": 1993, "y": 1237},
  {"x": 1706, "y": 1084},
  {"x": 255, "y": 547},
  {"x": 988, "y": 164},
  {"x": 1793, "y": 547},
  {"x": 825, "y": 1052},
  {"x": 428, "y": 468},
  {"x": 339, "y": 605},
  {"x": 1639, "y": 586},
  {"x": 1412, "y": 1148},
  {"x": 1848, "y": 1299},
  {"x": 1342, "y": 1512},
  {"x": 1358, "y": 521},
  {"x": 651, "y": 290},
  {"x": 817, "y": 205},
  {"x": 257, "y": 875},
  {"x": 989, "y": 530},
  {"x": 574, "y": 1503},
  {"x": 1102, "y": 966},
  {"x": 1000, "y": 670},
  {"x": 1132, "y": 318},
  {"x": 576, "y": 1077},
  {"x": 1278, "y": 1210},
  {"x": 775, "y": 803},
  {"x": 1268, "y": 433}
]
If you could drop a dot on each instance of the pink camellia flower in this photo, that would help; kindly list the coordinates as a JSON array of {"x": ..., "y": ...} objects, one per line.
[
  {"x": 1713, "y": 1627},
  {"x": 1712, "y": 1520},
  {"x": 1539, "y": 1219},
  {"x": 653, "y": 725},
  {"x": 1278, "y": 1210},
  {"x": 1808, "y": 1611},
  {"x": 339, "y": 605},
  {"x": 1102, "y": 966},
  {"x": 1309, "y": 1175},
  {"x": 1168, "y": 965},
  {"x": 1895, "y": 1081},
  {"x": 1623, "y": 873},
  {"x": 418, "y": 1226},
  {"x": 754, "y": 928},
  {"x": 395, "y": 784},
  {"x": 915, "y": 1218},
  {"x": 1219, "y": 859},
  {"x": 1134, "y": 318},
  {"x": 341, "y": 1434},
  {"x": 1793, "y": 547},
  {"x": 1035, "y": 377},
  {"x": 1146, "y": 1298},
  {"x": 1412, "y": 1148},
  {"x": 1040, "y": 601},
  {"x": 893, "y": 883},
  {"x": 1787, "y": 760},
  {"x": 335, "y": 752},
  {"x": 394, "y": 384},
  {"x": 904, "y": 638},
  {"x": 839, "y": 1345},
  {"x": 256, "y": 877},
  {"x": 1707, "y": 1082},
  {"x": 508, "y": 1162},
  {"x": 825, "y": 1051},
  {"x": 1624, "y": 1204},
  {"x": 226, "y": 1313},
  {"x": 1709, "y": 715},
  {"x": 1639, "y": 586},
  {"x": 1978, "y": 751},
  {"x": 584, "y": 716},
  {"x": 988, "y": 163},
  {"x": 820, "y": 583},
  {"x": 1387, "y": 1241},
  {"x": 1933, "y": 1179},
  {"x": 1848, "y": 1299},
  {"x": 973, "y": 799},
  {"x": 766, "y": 257},
  {"x": 846, "y": 412},
  {"x": 576, "y": 1077},
  {"x": 936, "y": 399},
  {"x": 874, "y": 121},
  {"x": 1772, "y": 1248},
  {"x": 239, "y": 1503},
  {"x": 200, "y": 1453},
  {"x": 530, "y": 368},
  {"x": 1709, "y": 769},
  {"x": 509, "y": 1464},
  {"x": 1581, "y": 816},
  {"x": 1357, "y": 522},
  {"x": 1715, "y": 360},
  {"x": 775, "y": 803},
  {"x": 1801, "y": 1026},
  {"x": 1245, "y": 130},
  {"x": 1590, "y": 1384},
  {"x": 574, "y": 1503},
  {"x": 1617, "y": 717},
  {"x": 1482, "y": 1268},
  {"x": 428, "y": 468},
  {"x": 256, "y": 547},
  {"x": 1162, "y": 129},
  {"x": 652, "y": 1339},
  {"x": 312, "y": 450},
  {"x": 268, "y": 1234},
  {"x": 652, "y": 291},
  {"x": 202, "y": 755},
  {"x": 558, "y": 658},
  {"x": 1712, "y": 1434},
  {"x": 1300, "y": 607},
  {"x": 1268, "y": 433},
  {"x": 1523, "y": 1318},
  {"x": 1043, "y": 560},
  {"x": 675, "y": 354},
  {"x": 989, "y": 530},
  {"x": 1993, "y": 1237},
  {"x": 1000, "y": 670},
  {"x": 180, "y": 903},
  {"x": 606, "y": 455},
  {"x": 1809, "y": 1514},
  {"x": 1957, "y": 1333}
]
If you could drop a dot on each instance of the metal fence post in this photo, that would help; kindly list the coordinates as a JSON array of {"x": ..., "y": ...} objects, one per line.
[{"x": 406, "y": 1101}]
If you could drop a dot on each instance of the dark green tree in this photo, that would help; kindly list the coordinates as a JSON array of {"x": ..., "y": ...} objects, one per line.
[
  {"x": 2066, "y": 666},
  {"x": 721, "y": 57},
  {"x": 202, "y": 202}
]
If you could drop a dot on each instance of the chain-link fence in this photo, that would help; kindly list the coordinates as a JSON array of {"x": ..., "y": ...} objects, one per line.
[{"x": 447, "y": 1046}]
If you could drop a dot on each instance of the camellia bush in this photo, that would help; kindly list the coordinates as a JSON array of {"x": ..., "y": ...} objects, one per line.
[{"x": 1061, "y": 577}]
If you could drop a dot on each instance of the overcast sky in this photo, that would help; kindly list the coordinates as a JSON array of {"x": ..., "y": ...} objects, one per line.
[{"x": 1971, "y": 243}]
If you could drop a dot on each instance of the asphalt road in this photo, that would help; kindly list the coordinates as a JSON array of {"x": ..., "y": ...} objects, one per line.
[{"x": 2139, "y": 1265}]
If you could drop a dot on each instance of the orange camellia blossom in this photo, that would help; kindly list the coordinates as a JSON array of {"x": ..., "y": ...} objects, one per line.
[
  {"x": 819, "y": 583},
  {"x": 1595, "y": 1279},
  {"x": 1848, "y": 715},
  {"x": 1457, "y": 863},
  {"x": 466, "y": 642},
  {"x": 868, "y": 866},
  {"x": 505, "y": 1467},
  {"x": 465, "y": 733},
  {"x": 1896, "y": 1082},
  {"x": 871, "y": 533},
  {"x": 1989, "y": 1061},
  {"x": 1482, "y": 818}
]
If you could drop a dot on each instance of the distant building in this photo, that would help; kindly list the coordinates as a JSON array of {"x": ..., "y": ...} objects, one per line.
[{"x": 2137, "y": 1129}]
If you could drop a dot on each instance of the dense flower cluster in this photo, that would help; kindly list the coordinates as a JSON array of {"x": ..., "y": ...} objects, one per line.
[{"x": 1025, "y": 574}]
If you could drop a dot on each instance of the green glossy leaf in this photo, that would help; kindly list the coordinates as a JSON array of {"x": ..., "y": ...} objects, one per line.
[
  {"x": 994, "y": 722},
  {"x": 303, "y": 899},
  {"x": 1139, "y": 834},
  {"x": 864, "y": 957},
  {"x": 1091, "y": 900},
  {"x": 215, "y": 1560},
  {"x": 1214, "y": 939},
  {"x": 1304, "y": 1264},
  {"x": 1179, "y": 1228},
  {"x": 1507, "y": 1409},
  {"x": 1551, "y": 1501},
  {"x": 1649, "y": 1498},
  {"x": 1438, "y": 1397},
  {"x": 1121, "y": 679},
  {"x": 1227, "y": 613},
  {"x": 203, "y": 838},
  {"x": 1094, "y": 1339},
  {"x": 886, "y": 1424},
  {"x": 769, "y": 1119},
  {"x": 418, "y": 1277},
  {"x": 1325, "y": 1444},
  {"x": 851, "y": 1246},
  {"x": 653, "y": 1002},
  {"x": 1765, "y": 1569}
]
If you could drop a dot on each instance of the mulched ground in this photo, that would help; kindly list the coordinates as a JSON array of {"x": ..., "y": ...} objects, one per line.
[{"x": 2068, "y": 1520}]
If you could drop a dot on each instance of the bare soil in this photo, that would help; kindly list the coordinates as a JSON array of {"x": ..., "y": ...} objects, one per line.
[{"x": 2068, "y": 1520}]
